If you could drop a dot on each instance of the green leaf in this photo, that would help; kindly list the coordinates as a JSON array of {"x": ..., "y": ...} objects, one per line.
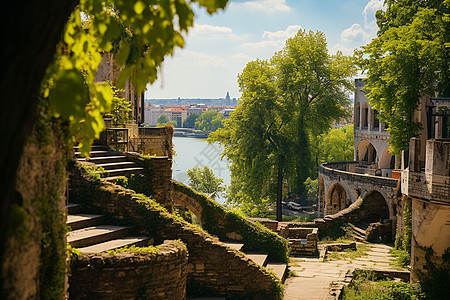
[{"x": 69, "y": 95}]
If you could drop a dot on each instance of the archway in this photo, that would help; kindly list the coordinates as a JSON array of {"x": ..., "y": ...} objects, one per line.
[
  {"x": 357, "y": 114},
  {"x": 387, "y": 160},
  {"x": 337, "y": 199},
  {"x": 375, "y": 120},
  {"x": 366, "y": 152},
  {"x": 365, "y": 115},
  {"x": 376, "y": 206}
]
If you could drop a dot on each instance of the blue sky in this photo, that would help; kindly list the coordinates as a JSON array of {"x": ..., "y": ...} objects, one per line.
[{"x": 219, "y": 46}]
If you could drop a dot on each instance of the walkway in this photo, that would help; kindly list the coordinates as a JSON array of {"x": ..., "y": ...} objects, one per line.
[{"x": 319, "y": 279}]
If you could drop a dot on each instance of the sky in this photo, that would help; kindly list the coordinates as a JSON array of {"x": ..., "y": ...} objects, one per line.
[{"x": 218, "y": 47}]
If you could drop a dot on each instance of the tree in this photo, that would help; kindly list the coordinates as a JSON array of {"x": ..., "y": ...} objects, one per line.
[
  {"x": 285, "y": 104},
  {"x": 410, "y": 57},
  {"x": 163, "y": 118},
  {"x": 53, "y": 64},
  {"x": 204, "y": 180},
  {"x": 209, "y": 121},
  {"x": 190, "y": 120},
  {"x": 335, "y": 145}
]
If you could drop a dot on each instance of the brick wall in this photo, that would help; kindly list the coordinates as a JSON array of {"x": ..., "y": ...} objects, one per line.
[{"x": 130, "y": 275}]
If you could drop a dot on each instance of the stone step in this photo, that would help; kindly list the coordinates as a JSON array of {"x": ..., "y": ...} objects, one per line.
[
  {"x": 125, "y": 171},
  {"x": 97, "y": 153},
  {"x": 77, "y": 221},
  {"x": 279, "y": 269},
  {"x": 259, "y": 259},
  {"x": 73, "y": 208},
  {"x": 235, "y": 246},
  {"x": 118, "y": 165},
  {"x": 105, "y": 159},
  {"x": 359, "y": 230},
  {"x": 140, "y": 241},
  {"x": 93, "y": 148},
  {"x": 96, "y": 234}
]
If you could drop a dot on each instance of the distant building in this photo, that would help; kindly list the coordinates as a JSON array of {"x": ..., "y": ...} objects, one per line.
[
  {"x": 176, "y": 113},
  {"x": 227, "y": 99},
  {"x": 152, "y": 113}
]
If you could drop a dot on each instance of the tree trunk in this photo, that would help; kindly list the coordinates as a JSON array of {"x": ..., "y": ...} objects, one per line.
[
  {"x": 303, "y": 157},
  {"x": 280, "y": 190},
  {"x": 31, "y": 32}
]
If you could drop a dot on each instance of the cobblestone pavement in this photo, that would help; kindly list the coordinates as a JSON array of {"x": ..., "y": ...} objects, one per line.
[{"x": 318, "y": 279}]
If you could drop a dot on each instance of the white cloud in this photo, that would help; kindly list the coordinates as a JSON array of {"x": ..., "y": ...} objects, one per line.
[
  {"x": 200, "y": 59},
  {"x": 371, "y": 8},
  {"x": 342, "y": 48},
  {"x": 354, "y": 34},
  {"x": 264, "y": 5},
  {"x": 211, "y": 31},
  {"x": 283, "y": 35}
]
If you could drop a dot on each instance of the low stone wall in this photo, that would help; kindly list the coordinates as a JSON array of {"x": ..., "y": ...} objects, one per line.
[
  {"x": 212, "y": 268},
  {"x": 131, "y": 274},
  {"x": 379, "y": 230},
  {"x": 302, "y": 241},
  {"x": 266, "y": 222},
  {"x": 340, "y": 246}
]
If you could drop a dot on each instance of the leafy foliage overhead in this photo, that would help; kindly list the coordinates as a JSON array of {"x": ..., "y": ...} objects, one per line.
[
  {"x": 410, "y": 57},
  {"x": 139, "y": 34}
]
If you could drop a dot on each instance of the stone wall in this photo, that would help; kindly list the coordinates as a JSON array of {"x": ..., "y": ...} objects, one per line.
[
  {"x": 211, "y": 267},
  {"x": 156, "y": 178},
  {"x": 131, "y": 274},
  {"x": 153, "y": 141},
  {"x": 302, "y": 241}
]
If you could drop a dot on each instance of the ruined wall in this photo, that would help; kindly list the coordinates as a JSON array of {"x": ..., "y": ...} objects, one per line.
[
  {"x": 131, "y": 275},
  {"x": 211, "y": 268},
  {"x": 33, "y": 265}
]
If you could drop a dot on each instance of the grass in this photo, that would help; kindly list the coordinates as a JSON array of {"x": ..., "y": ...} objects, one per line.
[
  {"x": 328, "y": 240},
  {"x": 361, "y": 250},
  {"x": 402, "y": 258},
  {"x": 365, "y": 287}
]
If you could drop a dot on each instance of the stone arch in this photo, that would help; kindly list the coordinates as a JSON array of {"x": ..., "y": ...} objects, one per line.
[
  {"x": 365, "y": 115},
  {"x": 336, "y": 199},
  {"x": 375, "y": 120},
  {"x": 367, "y": 152},
  {"x": 387, "y": 160},
  {"x": 376, "y": 206},
  {"x": 357, "y": 114}
]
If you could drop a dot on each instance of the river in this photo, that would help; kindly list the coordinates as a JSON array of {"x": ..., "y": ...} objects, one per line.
[{"x": 192, "y": 152}]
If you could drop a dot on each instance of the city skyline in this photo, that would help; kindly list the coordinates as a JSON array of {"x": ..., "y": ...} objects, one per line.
[{"x": 219, "y": 46}]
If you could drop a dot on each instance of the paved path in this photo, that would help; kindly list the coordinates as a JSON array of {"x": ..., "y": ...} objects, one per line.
[{"x": 319, "y": 279}]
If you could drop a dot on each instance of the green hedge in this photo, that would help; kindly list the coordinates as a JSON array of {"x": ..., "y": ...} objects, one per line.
[{"x": 219, "y": 221}]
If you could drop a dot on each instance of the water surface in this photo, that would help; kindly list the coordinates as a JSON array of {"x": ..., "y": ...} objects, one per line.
[{"x": 192, "y": 152}]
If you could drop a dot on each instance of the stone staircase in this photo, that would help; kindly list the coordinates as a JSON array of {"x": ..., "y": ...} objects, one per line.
[
  {"x": 359, "y": 229},
  {"x": 115, "y": 163},
  {"x": 279, "y": 269},
  {"x": 91, "y": 235}
]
